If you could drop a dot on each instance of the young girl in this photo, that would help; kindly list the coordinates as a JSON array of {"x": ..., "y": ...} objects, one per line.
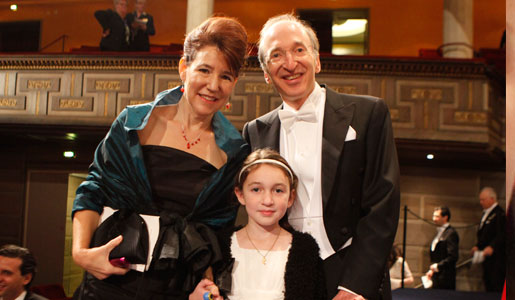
[{"x": 271, "y": 261}]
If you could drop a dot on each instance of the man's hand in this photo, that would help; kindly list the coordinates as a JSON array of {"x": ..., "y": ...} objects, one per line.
[
  {"x": 429, "y": 274},
  {"x": 106, "y": 32},
  {"x": 434, "y": 268},
  {"x": 488, "y": 251},
  {"x": 474, "y": 249},
  {"x": 344, "y": 295}
]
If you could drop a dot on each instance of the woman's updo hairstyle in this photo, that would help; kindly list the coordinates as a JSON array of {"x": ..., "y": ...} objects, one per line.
[{"x": 227, "y": 34}]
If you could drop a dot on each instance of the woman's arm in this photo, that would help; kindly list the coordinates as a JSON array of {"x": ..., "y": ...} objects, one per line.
[{"x": 93, "y": 260}]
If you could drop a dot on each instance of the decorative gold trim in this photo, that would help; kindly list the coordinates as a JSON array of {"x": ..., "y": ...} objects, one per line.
[
  {"x": 37, "y": 102},
  {"x": 391, "y": 66},
  {"x": 143, "y": 78},
  {"x": 471, "y": 117},
  {"x": 106, "y": 97},
  {"x": 258, "y": 105},
  {"x": 6, "y": 87},
  {"x": 470, "y": 96},
  {"x": 426, "y": 114},
  {"x": 72, "y": 84}
]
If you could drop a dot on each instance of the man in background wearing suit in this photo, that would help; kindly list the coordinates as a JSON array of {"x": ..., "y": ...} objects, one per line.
[
  {"x": 443, "y": 251},
  {"x": 491, "y": 241},
  {"x": 17, "y": 270},
  {"x": 343, "y": 150}
]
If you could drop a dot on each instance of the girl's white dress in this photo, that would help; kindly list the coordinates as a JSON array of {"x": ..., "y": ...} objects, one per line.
[{"x": 251, "y": 279}]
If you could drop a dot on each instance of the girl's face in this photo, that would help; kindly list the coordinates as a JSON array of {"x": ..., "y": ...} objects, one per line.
[{"x": 266, "y": 195}]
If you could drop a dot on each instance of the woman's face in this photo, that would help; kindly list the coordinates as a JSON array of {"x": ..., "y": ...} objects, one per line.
[
  {"x": 139, "y": 5},
  {"x": 208, "y": 81}
]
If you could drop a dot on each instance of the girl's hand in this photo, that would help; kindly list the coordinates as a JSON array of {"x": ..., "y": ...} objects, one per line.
[
  {"x": 96, "y": 260},
  {"x": 203, "y": 287}
]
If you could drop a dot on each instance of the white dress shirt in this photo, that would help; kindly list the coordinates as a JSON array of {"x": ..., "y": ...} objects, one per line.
[
  {"x": 439, "y": 232},
  {"x": 486, "y": 212},
  {"x": 301, "y": 145}
]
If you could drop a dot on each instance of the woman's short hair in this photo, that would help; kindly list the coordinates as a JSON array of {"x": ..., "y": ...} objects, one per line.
[{"x": 227, "y": 34}]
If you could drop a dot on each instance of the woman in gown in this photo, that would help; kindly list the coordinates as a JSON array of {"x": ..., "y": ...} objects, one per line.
[{"x": 175, "y": 158}]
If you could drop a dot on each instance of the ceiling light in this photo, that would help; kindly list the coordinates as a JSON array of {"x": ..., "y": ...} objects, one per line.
[
  {"x": 14, "y": 7},
  {"x": 430, "y": 156},
  {"x": 71, "y": 136},
  {"x": 69, "y": 154},
  {"x": 350, "y": 27}
]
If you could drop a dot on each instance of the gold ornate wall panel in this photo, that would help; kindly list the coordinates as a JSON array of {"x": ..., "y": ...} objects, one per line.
[{"x": 429, "y": 100}]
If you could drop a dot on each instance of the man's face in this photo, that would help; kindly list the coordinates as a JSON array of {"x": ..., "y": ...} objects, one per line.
[
  {"x": 12, "y": 282},
  {"x": 291, "y": 63},
  {"x": 486, "y": 200},
  {"x": 121, "y": 8},
  {"x": 438, "y": 219}
]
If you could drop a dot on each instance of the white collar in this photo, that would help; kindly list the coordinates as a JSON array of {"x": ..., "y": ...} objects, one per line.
[
  {"x": 21, "y": 296},
  {"x": 442, "y": 228},
  {"x": 489, "y": 210}
]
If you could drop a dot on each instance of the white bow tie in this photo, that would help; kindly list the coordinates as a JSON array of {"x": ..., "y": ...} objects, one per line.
[{"x": 306, "y": 114}]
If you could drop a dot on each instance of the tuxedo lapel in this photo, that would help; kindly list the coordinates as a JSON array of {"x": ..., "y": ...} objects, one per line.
[
  {"x": 337, "y": 119},
  {"x": 267, "y": 131},
  {"x": 445, "y": 234}
]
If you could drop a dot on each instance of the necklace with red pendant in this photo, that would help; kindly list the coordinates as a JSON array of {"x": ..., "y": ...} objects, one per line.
[{"x": 188, "y": 143}]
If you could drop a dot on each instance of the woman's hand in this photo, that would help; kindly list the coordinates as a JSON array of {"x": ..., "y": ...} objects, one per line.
[
  {"x": 94, "y": 260},
  {"x": 203, "y": 287}
]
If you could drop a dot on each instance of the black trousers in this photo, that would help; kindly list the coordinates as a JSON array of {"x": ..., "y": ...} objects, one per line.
[{"x": 333, "y": 267}]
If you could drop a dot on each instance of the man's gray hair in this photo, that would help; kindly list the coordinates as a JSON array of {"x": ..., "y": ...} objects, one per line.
[
  {"x": 491, "y": 192},
  {"x": 315, "y": 45}
]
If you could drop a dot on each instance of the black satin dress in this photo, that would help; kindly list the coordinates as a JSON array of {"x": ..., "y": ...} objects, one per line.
[{"x": 176, "y": 179}]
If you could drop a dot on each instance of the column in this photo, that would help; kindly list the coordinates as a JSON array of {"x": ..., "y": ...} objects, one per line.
[
  {"x": 198, "y": 12},
  {"x": 458, "y": 28}
]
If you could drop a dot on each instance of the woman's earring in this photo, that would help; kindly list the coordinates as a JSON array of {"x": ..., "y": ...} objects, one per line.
[
  {"x": 182, "y": 89},
  {"x": 228, "y": 105}
]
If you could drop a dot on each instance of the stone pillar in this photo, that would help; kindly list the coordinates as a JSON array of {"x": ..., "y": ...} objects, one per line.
[
  {"x": 458, "y": 27},
  {"x": 198, "y": 12}
]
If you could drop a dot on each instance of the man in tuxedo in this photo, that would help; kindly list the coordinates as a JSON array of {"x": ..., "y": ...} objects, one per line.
[
  {"x": 17, "y": 270},
  {"x": 491, "y": 240},
  {"x": 343, "y": 150},
  {"x": 443, "y": 251}
]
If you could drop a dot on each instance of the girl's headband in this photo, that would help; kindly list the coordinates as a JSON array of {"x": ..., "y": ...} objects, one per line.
[{"x": 266, "y": 161}]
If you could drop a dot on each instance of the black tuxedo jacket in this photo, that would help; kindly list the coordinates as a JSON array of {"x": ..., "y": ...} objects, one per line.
[
  {"x": 493, "y": 233},
  {"x": 116, "y": 40},
  {"x": 445, "y": 255},
  {"x": 360, "y": 184}
]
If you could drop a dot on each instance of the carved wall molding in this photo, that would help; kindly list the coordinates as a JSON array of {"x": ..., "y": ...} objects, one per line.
[
  {"x": 428, "y": 100},
  {"x": 357, "y": 65}
]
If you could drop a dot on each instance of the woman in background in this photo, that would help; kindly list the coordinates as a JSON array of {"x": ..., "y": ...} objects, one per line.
[
  {"x": 141, "y": 24},
  {"x": 395, "y": 264}
]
